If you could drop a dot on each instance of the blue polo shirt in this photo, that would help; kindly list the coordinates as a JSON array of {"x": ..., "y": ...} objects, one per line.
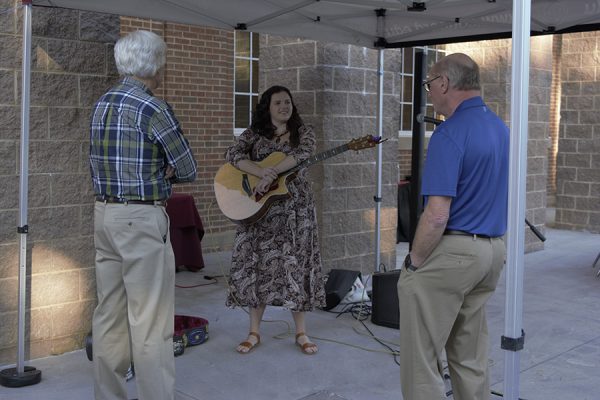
[{"x": 467, "y": 160}]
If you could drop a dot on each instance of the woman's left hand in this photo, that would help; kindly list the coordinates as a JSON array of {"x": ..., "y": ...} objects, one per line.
[
  {"x": 269, "y": 172},
  {"x": 263, "y": 185}
]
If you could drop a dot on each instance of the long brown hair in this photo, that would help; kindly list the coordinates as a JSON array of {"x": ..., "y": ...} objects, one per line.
[{"x": 261, "y": 117}]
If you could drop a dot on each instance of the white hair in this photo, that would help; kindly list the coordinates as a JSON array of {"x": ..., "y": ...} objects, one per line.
[{"x": 141, "y": 54}]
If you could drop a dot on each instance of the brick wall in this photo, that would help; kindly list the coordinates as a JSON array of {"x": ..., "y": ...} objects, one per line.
[
  {"x": 578, "y": 162},
  {"x": 335, "y": 88},
  {"x": 72, "y": 65},
  {"x": 198, "y": 84},
  {"x": 494, "y": 59},
  {"x": 404, "y": 163}
]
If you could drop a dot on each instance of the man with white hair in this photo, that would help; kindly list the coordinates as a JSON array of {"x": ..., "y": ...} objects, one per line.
[
  {"x": 137, "y": 151},
  {"x": 458, "y": 253}
]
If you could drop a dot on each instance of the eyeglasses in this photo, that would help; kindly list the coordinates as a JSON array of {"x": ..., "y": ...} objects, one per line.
[{"x": 427, "y": 84}]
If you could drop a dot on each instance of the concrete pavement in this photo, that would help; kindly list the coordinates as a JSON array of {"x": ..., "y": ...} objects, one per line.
[{"x": 561, "y": 358}]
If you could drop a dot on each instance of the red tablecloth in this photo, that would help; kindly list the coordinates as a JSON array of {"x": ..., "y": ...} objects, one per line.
[{"x": 186, "y": 231}]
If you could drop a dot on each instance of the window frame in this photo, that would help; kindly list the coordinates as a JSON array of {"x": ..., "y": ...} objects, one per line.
[
  {"x": 252, "y": 73},
  {"x": 430, "y": 51}
]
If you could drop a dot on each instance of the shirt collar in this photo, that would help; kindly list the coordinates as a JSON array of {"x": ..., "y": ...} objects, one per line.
[
  {"x": 128, "y": 80},
  {"x": 472, "y": 102}
]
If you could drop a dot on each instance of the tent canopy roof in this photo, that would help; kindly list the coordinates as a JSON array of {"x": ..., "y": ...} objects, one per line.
[{"x": 405, "y": 23}]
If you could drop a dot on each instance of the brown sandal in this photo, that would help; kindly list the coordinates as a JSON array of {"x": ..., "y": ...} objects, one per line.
[
  {"x": 308, "y": 345},
  {"x": 249, "y": 346}
]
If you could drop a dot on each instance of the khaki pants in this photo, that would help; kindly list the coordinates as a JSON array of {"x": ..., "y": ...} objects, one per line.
[
  {"x": 442, "y": 306},
  {"x": 135, "y": 278}
]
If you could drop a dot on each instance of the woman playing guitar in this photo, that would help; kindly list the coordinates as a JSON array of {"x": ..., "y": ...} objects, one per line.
[{"x": 276, "y": 260}]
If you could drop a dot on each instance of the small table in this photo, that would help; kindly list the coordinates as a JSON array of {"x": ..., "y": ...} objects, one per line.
[{"x": 186, "y": 231}]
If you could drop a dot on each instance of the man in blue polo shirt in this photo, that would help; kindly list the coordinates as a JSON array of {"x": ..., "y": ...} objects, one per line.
[{"x": 458, "y": 253}]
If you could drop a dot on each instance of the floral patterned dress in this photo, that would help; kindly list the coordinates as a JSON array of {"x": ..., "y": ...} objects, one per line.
[{"x": 276, "y": 261}]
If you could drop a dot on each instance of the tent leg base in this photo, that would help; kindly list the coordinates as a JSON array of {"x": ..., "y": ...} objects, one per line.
[{"x": 11, "y": 378}]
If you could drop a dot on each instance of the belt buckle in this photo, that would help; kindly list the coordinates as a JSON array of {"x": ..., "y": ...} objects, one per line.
[{"x": 118, "y": 200}]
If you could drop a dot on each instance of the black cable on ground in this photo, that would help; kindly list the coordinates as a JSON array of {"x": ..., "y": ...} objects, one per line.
[
  {"x": 501, "y": 394},
  {"x": 394, "y": 352},
  {"x": 361, "y": 311},
  {"x": 449, "y": 393},
  {"x": 358, "y": 310},
  {"x": 211, "y": 278}
]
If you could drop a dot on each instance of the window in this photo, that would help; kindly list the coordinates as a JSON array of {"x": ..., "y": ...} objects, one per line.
[
  {"x": 407, "y": 75},
  {"x": 246, "y": 54}
]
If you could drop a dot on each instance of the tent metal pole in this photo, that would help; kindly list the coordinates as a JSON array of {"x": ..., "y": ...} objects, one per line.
[
  {"x": 380, "y": 44},
  {"x": 22, "y": 375},
  {"x": 22, "y": 228},
  {"x": 513, "y": 339},
  {"x": 380, "y": 55}
]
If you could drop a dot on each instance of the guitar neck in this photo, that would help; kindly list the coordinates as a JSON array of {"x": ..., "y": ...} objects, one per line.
[{"x": 318, "y": 157}]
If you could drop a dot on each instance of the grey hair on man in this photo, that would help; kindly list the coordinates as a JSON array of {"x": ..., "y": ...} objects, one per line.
[
  {"x": 461, "y": 70},
  {"x": 140, "y": 53}
]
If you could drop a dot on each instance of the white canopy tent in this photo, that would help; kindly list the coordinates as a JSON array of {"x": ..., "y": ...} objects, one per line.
[
  {"x": 407, "y": 23},
  {"x": 376, "y": 24}
]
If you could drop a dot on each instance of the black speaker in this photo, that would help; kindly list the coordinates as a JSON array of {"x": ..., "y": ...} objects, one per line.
[
  {"x": 339, "y": 282},
  {"x": 384, "y": 299}
]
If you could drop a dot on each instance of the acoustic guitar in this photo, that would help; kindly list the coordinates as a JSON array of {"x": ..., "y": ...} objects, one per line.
[{"x": 233, "y": 187}]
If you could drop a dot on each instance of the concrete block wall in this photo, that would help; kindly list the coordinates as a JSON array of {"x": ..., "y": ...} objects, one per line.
[
  {"x": 72, "y": 65},
  {"x": 554, "y": 128},
  {"x": 540, "y": 92},
  {"x": 578, "y": 162},
  {"x": 335, "y": 87}
]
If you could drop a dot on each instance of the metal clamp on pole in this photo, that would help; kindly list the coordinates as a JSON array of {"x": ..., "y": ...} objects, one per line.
[
  {"x": 513, "y": 344},
  {"x": 377, "y": 199},
  {"x": 23, "y": 229}
]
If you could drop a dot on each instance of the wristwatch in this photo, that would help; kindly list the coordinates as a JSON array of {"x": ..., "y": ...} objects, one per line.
[{"x": 408, "y": 263}]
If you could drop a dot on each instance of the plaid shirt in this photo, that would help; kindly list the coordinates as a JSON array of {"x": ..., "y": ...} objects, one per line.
[{"x": 133, "y": 137}]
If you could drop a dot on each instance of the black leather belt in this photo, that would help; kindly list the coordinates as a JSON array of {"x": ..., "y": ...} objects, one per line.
[
  {"x": 119, "y": 200},
  {"x": 463, "y": 233}
]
